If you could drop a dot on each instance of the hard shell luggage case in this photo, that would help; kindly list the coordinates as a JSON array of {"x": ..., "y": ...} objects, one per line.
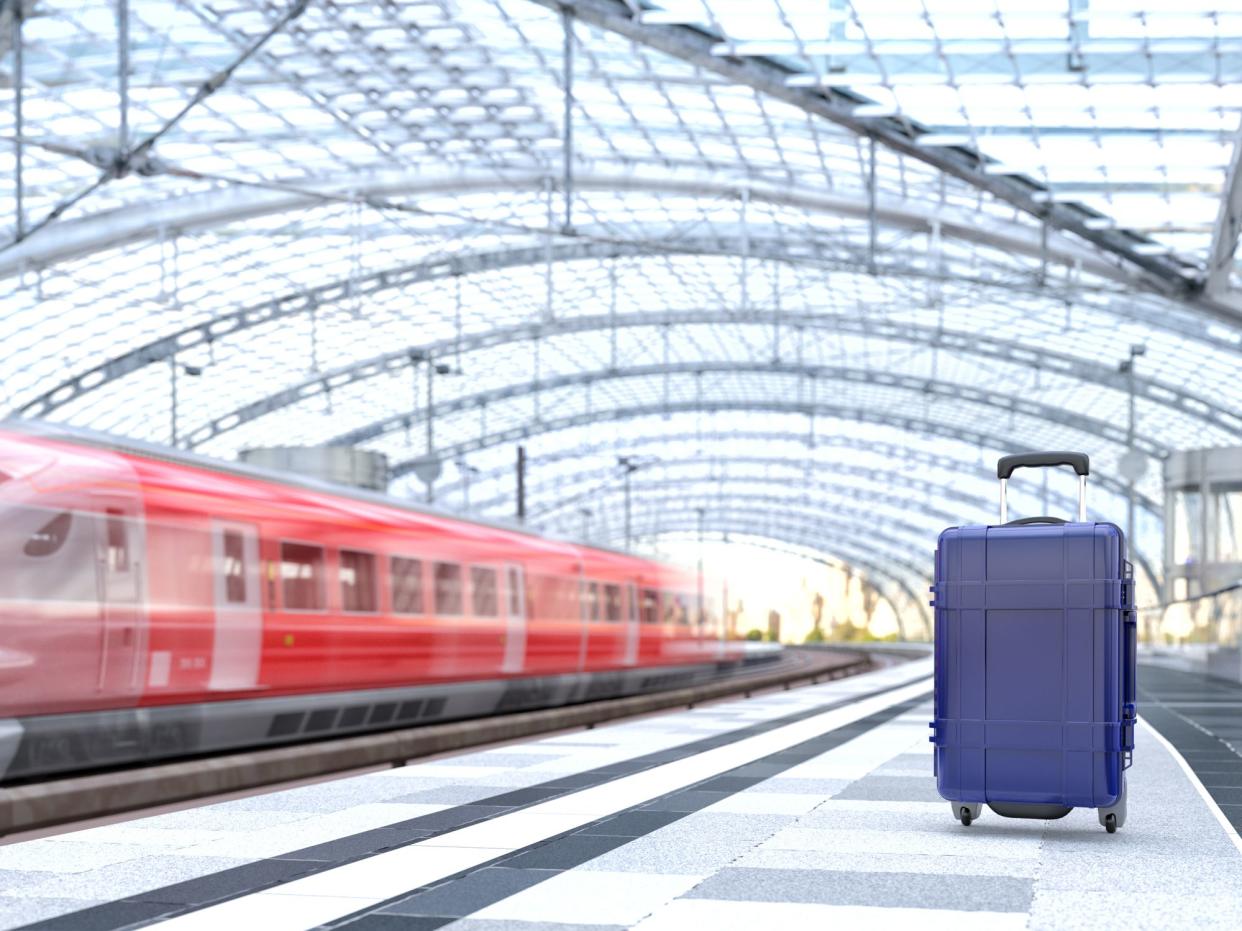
[{"x": 1034, "y": 662}]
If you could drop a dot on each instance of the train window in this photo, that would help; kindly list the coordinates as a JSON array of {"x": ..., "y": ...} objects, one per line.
[
  {"x": 50, "y": 537},
  {"x": 118, "y": 541},
  {"x": 483, "y": 592},
  {"x": 301, "y": 572},
  {"x": 612, "y": 603},
  {"x": 650, "y": 606},
  {"x": 553, "y": 598},
  {"x": 448, "y": 588},
  {"x": 234, "y": 568},
  {"x": 358, "y": 582},
  {"x": 407, "y": 586},
  {"x": 590, "y": 601},
  {"x": 675, "y": 608}
]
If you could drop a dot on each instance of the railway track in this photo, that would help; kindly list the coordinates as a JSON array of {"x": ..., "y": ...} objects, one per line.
[{"x": 44, "y": 804}]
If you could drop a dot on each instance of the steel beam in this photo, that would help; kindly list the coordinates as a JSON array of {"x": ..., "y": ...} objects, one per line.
[
  {"x": 122, "y": 77},
  {"x": 922, "y": 491},
  {"x": 817, "y": 531},
  {"x": 967, "y": 343},
  {"x": 17, "y": 12},
  {"x": 567, "y": 138},
  {"x": 1165, "y": 273},
  {"x": 308, "y": 302},
  {"x": 922, "y": 387},
  {"x": 989, "y": 54},
  {"x": 917, "y": 424},
  {"x": 567, "y": 486},
  {"x": 798, "y": 486},
  {"x": 819, "y": 525},
  {"x": 653, "y": 500},
  {"x": 138, "y": 158},
  {"x": 110, "y": 230},
  {"x": 800, "y": 458}
]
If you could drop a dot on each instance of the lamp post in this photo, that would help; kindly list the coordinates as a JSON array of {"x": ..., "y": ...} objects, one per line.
[
  {"x": 428, "y": 466},
  {"x": 191, "y": 370},
  {"x": 630, "y": 466},
  {"x": 467, "y": 472}
]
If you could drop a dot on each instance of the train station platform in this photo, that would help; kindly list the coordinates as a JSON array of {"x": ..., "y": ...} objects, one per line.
[{"x": 811, "y": 808}]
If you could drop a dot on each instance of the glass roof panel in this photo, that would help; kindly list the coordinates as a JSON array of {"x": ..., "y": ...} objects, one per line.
[
  {"x": 1130, "y": 109},
  {"x": 725, "y": 275}
]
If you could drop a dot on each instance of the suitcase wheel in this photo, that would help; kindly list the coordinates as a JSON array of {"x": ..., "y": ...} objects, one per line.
[
  {"x": 1113, "y": 817},
  {"x": 966, "y": 812}
]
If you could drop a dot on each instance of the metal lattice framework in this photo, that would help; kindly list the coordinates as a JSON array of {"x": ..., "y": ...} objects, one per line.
[
  {"x": 799, "y": 474},
  {"x": 825, "y": 253}
]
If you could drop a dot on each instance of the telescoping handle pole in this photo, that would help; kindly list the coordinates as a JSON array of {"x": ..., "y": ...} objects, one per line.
[{"x": 1078, "y": 461}]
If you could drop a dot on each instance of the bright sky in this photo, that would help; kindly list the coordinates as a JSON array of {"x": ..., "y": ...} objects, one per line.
[{"x": 764, "y": 579}]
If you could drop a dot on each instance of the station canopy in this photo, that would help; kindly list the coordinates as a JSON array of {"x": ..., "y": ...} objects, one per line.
[{"x": 792, "y": 269}]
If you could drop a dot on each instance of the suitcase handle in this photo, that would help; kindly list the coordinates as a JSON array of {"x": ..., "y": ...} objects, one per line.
[
  {"x": 1078, "y": 461},
  {"x": 1006, "y": 464},
  {"x": 1036, "y": 520},
  {"x": 1129, "y": 630},
  {"x": 1129, "y": 671}
]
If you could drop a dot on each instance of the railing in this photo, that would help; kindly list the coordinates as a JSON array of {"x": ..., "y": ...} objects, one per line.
[{"x": 1210, "y": 620}]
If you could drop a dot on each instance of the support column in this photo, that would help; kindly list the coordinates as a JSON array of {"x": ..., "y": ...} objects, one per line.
[
  {"x": 547, "y": 251},
  {"x": 745, "y": 282},
  {"x": 19, "y": 78},
  {"x": 172, "y": 395},
  {"x": 431, "y": 437},
  {"x": 122, "y": 79},
  {"x": 612, "y": 314},
  {"x": 567, "y": 147},
  {"x": 871, "y": 206},
  {"x": 521, "y": 484}
]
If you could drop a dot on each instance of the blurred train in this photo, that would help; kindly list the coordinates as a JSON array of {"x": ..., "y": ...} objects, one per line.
[{"x": 154, "y": 604}]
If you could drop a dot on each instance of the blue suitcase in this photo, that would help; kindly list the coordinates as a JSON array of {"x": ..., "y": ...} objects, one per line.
[{"x": 1034, "y": 662}]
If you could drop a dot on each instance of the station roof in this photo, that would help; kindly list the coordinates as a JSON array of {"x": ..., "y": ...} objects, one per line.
[{"x": 811, "y": 265}]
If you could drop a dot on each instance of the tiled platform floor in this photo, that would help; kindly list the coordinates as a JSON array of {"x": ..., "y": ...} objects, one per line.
[
  {"x": 1203, "y": 719},
  {"x": 815, "y": 815}
]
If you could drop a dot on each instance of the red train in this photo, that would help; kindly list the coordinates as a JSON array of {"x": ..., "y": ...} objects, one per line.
[{"x": 155, "y": 604}]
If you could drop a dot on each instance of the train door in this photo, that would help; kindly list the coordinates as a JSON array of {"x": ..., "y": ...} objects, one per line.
[
  {"x": 631, "y": 624},
  {"x": 238, "y": 640},
  {"x": 588, "y": 613},
  {"x": 118, "y": 547},
  {"x": 515, "y": 620}
]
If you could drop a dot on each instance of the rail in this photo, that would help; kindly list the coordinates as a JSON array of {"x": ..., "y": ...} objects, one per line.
[
  {"x": 1201, "y": 634},
  {"x": 1213, "y": 618}
]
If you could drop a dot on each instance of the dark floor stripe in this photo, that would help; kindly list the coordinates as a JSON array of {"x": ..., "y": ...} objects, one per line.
[
  {"x": 1176, "y": 704},
  {"x": 191, "y": 895},
  {"x": 462, "y": 895}
]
